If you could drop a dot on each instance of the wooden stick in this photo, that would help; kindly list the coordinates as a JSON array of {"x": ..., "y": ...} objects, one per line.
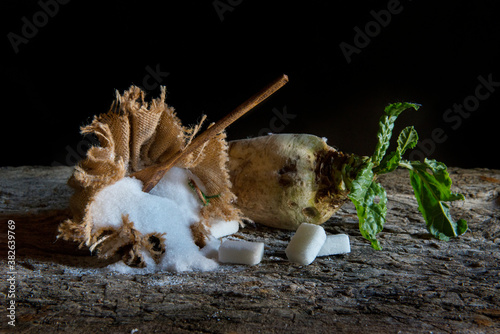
[{"x": 151, "y": 175}]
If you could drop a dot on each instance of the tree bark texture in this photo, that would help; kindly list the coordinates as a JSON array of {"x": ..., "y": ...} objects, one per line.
[{"x": 416, "y": 284}]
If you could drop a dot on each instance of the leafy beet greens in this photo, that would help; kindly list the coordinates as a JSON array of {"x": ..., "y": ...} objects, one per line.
[{"x": 430, "y": 181}]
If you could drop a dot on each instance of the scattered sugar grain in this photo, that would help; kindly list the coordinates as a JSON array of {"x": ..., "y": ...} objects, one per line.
[
  {"x": 305, "y": 244},
  {"x": 168, "y": 281},
  {"x": 121, "y": 268},
  {"x": 241, "y": 252},
  {"x": 335, "y": 244},
  {"x": 80, "y": 271}
]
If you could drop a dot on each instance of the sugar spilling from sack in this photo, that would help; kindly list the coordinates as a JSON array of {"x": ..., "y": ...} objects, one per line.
[{"x": 171, "y": 207}]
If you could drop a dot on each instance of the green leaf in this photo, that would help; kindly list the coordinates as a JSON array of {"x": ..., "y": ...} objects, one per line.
[
  {"x": 431, "y": 184},
  {"x": 408, "y": 138},
  {"x": 386, "y": 124},
  {"x": 370, "y": 200}
]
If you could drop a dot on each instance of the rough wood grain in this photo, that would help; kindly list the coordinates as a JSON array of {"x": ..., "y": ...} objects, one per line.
[{"x": 416, "y": 284}]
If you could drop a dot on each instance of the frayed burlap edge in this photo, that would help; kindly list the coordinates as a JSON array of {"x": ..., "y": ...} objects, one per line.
[{"x": 135, "y": 134}]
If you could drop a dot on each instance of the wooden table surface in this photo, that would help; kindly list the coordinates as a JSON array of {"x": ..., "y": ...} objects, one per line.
[{"x": 416, "y": 284}]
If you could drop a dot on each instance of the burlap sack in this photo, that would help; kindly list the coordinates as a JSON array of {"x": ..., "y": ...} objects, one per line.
[{"x": 132, "y": 135}]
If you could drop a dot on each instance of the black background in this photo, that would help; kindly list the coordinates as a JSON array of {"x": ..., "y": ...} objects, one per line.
[{"x": 428, "y": 53}]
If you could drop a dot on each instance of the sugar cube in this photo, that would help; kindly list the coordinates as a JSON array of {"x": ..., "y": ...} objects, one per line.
[
  {"x": 335, "y": 244},
  {"x": 305, "y": 243},
  {"x": 241, "y": 252},
  {"x": 222, "y": 228}
]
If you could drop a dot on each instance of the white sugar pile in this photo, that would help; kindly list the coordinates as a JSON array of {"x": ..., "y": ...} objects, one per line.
[{"x": 171, "y": 207}]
